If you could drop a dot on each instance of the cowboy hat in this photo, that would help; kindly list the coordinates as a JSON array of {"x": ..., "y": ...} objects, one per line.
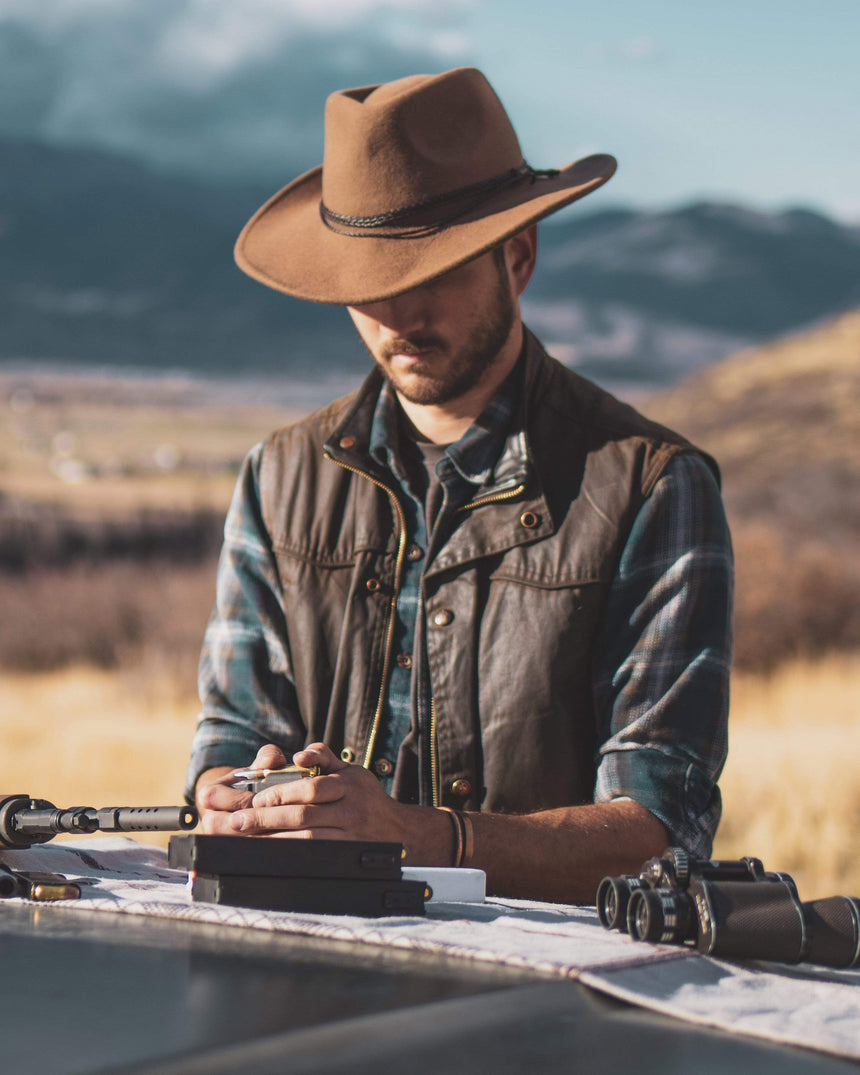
[{"x": 419, "y": 176}]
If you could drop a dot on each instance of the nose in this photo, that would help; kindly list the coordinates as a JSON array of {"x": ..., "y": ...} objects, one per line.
[{"x": 400, "y": 315}]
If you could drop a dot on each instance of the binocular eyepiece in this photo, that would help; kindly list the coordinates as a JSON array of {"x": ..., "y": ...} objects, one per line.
[
  {"x": 613, "y": 900},
  {"x": 730, "y": 909}
]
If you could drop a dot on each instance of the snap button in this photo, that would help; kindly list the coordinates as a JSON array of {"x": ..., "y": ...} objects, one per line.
[
  {"x": 373, "y": 585},
  {"x": 442, "y": 617},
  {"x": 383, "y": 767},
  {"x": 414, "y": 552},
  {"x": 347, "y": 442},
  {"x": 462, "y": 788},
  {"x": 404, "y": 660},
  {"x": 347, "y": 754},
  {"x": 529, "y": 520}
]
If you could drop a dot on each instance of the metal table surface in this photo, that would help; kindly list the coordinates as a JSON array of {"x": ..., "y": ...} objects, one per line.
[{"x": 91, "y": 993}]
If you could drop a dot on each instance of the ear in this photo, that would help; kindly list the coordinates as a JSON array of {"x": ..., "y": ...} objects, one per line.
[{"x": 520, "y": 257}]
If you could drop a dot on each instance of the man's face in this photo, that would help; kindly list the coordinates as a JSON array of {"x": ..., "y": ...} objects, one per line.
[{"x": 437, "y": 342}]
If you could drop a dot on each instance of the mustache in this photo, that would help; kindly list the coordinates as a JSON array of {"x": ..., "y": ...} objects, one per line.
[{"x": 411, "y": 345}]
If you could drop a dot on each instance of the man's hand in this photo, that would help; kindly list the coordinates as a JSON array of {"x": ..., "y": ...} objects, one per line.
[
  {"x": 217, "y": 799},
  {"x": 216, "y": 796},
  {"x": 346, "y": 802}
]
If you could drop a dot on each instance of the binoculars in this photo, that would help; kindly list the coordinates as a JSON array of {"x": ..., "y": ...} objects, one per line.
[{"x": 733, "y": 910}]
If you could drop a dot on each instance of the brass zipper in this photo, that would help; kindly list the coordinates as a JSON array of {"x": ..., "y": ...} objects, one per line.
[
  {"x": 434, "y": 756},
  {"x": 493, "y": 498},
  {"x": 398, "y": 567}
]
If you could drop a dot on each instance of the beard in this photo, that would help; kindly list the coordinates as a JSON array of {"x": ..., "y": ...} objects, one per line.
[{"x": 450, "y": 373}]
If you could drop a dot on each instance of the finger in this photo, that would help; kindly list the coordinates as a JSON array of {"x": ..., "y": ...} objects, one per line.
[
  {"x": 317, "y": 789},
  {"x": 222, "y": 797},
  {"x": 321, "y": 755},
  {"x": 217, "y": 823},
  {"x": 269, "y": 757},
  {"x": 289, "y": 818}
]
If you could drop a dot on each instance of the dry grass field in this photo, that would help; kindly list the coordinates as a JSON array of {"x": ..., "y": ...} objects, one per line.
[
  {"x": 109, "y": 446},
  {"x": 84, "y": 736},
  {"x": 791, "y": 787}
]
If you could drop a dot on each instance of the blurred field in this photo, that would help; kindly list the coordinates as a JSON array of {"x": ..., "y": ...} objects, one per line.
[
  {"x": 83, "y": 736},
  {"x": 109, "y": 445},
  {"x": 791, "y": 787}
]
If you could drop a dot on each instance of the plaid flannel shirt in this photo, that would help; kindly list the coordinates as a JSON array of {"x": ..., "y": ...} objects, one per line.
[{"x": 661, "y": 666}]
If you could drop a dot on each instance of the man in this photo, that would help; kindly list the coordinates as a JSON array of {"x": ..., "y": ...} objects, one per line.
[{"x": 488, "y": 600}]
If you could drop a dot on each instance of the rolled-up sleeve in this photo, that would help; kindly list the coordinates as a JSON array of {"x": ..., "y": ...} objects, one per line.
[
  {"x": 662, "y": 670},
  {"x": 245, "y": 679}
]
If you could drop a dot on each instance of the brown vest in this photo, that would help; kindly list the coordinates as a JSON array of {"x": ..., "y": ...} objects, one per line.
[{"x": 514, "y": 599}]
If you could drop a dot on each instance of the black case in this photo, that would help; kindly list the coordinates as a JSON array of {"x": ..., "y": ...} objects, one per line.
[
  {"x": 266, "y": 856},
  {"x": 312, "y": 895}
]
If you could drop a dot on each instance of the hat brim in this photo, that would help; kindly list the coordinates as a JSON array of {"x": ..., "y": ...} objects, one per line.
[{"x": 286, "y": 245}]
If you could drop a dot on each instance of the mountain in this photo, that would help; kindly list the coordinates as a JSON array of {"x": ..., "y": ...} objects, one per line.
[
  {"x": 104, "y": 261},
  {"x": 650, "y": 296},
  {"x": 783, "y": 421}
]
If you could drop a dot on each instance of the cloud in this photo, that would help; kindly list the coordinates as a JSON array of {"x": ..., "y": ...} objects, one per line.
[
  {"x": 642, "y": 49},
  {"x": 208, "y": 86}
]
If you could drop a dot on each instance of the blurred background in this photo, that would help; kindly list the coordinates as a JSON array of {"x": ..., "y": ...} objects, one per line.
[{"x": 715, "y": 283}]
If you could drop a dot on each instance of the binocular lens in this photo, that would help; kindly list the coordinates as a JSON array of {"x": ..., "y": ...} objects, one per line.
[
  {"x": 613, "y": 896},
  {"x": 658, "y": 914}
]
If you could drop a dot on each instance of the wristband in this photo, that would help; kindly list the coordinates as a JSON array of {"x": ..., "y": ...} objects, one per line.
[
  {"x": 468, "y": 840},
  {"x": 459, "y": 823}
]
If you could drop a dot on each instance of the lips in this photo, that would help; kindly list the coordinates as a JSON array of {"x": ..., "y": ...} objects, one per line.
[
  {"x": 411, "y": 356},
  {"x": 416, "y": 348}
]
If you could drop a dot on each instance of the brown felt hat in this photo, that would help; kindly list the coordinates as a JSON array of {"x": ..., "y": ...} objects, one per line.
[{"x": 419, "y": 176}]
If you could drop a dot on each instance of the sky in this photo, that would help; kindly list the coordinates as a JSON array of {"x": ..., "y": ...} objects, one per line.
[{"x": 755, "y": 102}]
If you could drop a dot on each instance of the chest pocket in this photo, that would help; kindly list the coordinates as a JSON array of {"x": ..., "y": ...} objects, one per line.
[
  {"x": 535, "y": 708},
  {"x": 537, "y": 639}
]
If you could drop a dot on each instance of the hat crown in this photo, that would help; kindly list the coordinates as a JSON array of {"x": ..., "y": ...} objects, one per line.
[{"x": 399, "y": 144}]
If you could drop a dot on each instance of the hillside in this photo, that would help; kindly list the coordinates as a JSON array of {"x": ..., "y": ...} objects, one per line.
[{"x": 783, "y": 421}]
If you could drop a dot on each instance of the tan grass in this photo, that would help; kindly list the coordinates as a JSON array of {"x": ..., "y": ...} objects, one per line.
[
  {"x": 89, "y": 737},
  {"x": 791, "y": 788}
]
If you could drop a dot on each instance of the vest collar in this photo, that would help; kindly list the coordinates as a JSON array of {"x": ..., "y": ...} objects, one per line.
[{"x": 360, "y": 440}]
